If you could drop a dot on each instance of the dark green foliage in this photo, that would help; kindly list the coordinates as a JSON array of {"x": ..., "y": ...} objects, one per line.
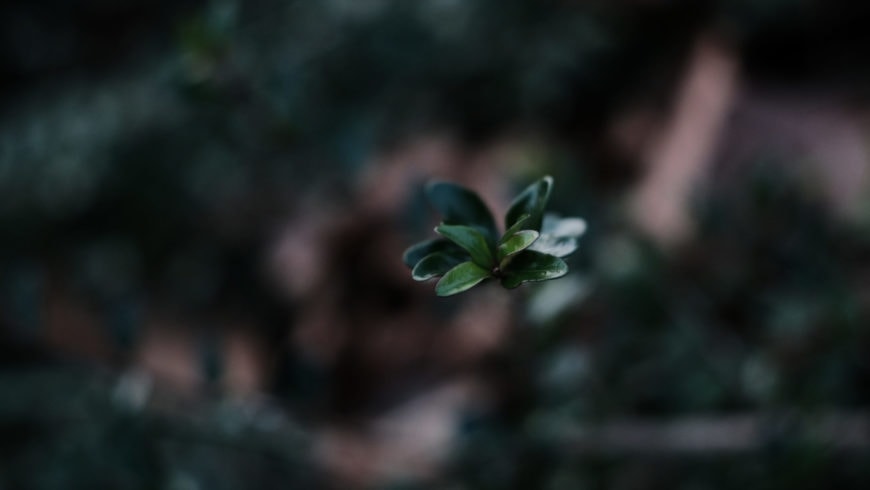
[
  {"x": 66, "y": 428},
  {"x": 414, "y": 254},
  {"x": 470, "y": 240},
  {"x": 530, "y": 265},
  {"x": 754, "y": 315},
  {"x": 528, "y": 251},
  {"x": 144, "y": 172},
  {"x": 530, "y": 202},
  {"x": 461, "y": 206},
  {"x": 461, "y": 278}
]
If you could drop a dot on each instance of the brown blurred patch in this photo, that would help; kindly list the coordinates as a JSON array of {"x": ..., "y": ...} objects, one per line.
[{"x": 74, "y": 329}]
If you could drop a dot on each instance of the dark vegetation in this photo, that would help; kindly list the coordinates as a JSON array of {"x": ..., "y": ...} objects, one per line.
[{"x": 222, "y": 177}]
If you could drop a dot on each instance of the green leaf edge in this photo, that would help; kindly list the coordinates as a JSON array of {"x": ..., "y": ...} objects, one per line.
[
  {"x": 517, "y": 226},
  {"x": 534, "y": 209},
  {"x": 516, "y": 268},
  {"x": 527, "y": 237},
  {"x": 471, "y": 240},
  {"x": 487, "y": 225},
  {"x": 444, "y": 286},
  {"x": 415, "y": 253},
  {"x": 449, "y": 262}
]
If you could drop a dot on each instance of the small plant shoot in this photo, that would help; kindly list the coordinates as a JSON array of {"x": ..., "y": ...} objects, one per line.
[{"x": 471, "y": 248}]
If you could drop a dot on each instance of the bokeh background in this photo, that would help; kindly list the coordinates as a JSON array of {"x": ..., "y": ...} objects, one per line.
[{"x": 203, "y": 206}]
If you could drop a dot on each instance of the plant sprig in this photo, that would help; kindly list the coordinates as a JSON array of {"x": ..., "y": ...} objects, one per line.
[{"x": 472, "y": 250}]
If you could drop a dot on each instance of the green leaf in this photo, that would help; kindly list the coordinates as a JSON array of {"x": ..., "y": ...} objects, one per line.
[
  {"x": 531, "y": 201},
  {"x": 460, "y": 206},
  {"x": 559, "y": 236},
  {"x": 516, "y": 243},
  {"x": 434, "y": 265},
  {"x": 417, "y": 252},
  {"x": 520, "y": 224},
  {"x": 460, "y": 278},
  {"x": 529, "y": 266},
  {"x": 471, "y": 240}
]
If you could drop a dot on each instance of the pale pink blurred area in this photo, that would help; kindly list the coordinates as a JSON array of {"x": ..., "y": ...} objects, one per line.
[
  {"x": 412, "y": 440},
  {"x": 721, "y": 125},
  {"x": 680, "y": 157}
]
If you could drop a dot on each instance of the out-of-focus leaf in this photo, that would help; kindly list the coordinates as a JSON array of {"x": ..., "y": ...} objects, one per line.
[
  {"x": 471, "y": 240},
  {"x": 532, "y": 202},
  {"x": 460, "y": 206},
  {"x": 516, "y": 243},
  {"x": 460, "y": 278},
  {"x": 559, "y": 236},
  {"x": 417, "y": 252},
  {"x": 434, "y": 265},
  {"x": 529, "y": 266}
]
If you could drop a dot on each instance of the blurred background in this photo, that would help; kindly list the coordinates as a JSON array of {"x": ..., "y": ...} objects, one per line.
[{"x": 203, "y": 207}]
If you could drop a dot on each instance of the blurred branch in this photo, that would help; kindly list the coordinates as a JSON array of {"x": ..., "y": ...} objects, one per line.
[
  {"x": 849, "y": 431},
  {"x": 684, "y": 151},
  {"x": 64, "y": 398}
]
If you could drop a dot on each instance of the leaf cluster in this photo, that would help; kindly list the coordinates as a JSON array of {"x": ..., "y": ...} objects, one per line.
[{"x": 471, "y": 249}]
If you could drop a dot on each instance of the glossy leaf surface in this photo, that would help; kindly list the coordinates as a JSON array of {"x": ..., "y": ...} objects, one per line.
[
  {"x": 459, "y": 205},
  {"x": 529, "y": 266},
  {"x": 470, "y": 239},
  {"x": 532, "y": 202},
  {"x": 416, "y": 253},
  {"x": 434, "y": 265},
  {"x": 516, "y": 243},
  {"x": 471, "y": 249},
  {"x": 520, "y": 225},
  {"x": 460, "y": 278}
]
